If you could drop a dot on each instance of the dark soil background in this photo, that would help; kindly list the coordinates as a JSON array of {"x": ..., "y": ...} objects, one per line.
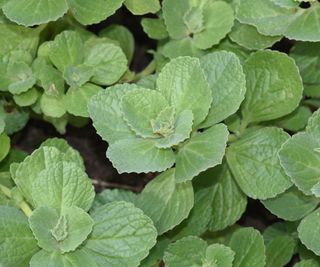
[{"x": 93, "y": 148}]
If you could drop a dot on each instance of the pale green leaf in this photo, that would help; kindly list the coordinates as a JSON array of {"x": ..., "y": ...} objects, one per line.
[
  {"x": 274, "y": 86},
  {"x": 309, "y": 230},
  {"x": 291, "y": 205},
  {"x": 154, "y": 28},
  {"x": 17, "y": 243},
  {"x": 63, "y": 231},
  {"x": 141, "y": 7},
  {"x": 248, "y": 37},
  {"x": 90, "y": 12},
  {"x": 122, "y": 235},
  {"x": 140, "y": 107},
  {"x": 279, "y": 251},
  {"x": 63, "y": 185},
  {"x": 139, "y": 155},
  {"x": 33, "y": 12},
  {"x": 53, "y": 106},
  {"x": 77, "y": 99},
  {"x": 105, "y": 110},
  {"x": 280, "y": 229},
  {"x": 201, "y": 152},
  {"x": 76, "y": 76},
  {"x": 247, "y": 243},
  {"x": 227, "y": 83},
  {"x": 184, "y": 85},
  {"x": 108, "y": 61},
  {"x": 4, "y": 145},
  {"x": 255, "y": 165},
  {"x": 166, "y": 202},
  {"x": 181, "y": 48},
  {"x": 313, "y": 126},
  {"x": 27, "y": 98}
]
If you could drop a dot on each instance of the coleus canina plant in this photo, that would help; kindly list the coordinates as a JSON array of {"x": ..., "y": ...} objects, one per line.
[{"x": 53, "y": 226}]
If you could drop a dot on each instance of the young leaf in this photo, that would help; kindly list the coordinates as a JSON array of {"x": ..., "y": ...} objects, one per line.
[
  {"x": 154, "y": 28},
  {"x": 227, "y": 83},
  {"x": 63, "y": 231},
  {"x": 122, "y": 235},
  {"x": 139, "y": 155},
  {"x": 63, "y": 185},
  {"x": 309, "y": 230},
  {"x": 274, "y": 86},
  {"x": 247, "y": 243},
  {"x": 17, "y": 243},
  {"x": 183, "y": 83},
  {"x": 166, "y": 202},
  {"x": 254, "y": 163},
  {"x": 291, "y": 205},
  {"x": 201, "y": 153}
]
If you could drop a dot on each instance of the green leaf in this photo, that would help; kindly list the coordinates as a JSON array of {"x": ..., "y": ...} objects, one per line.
[
  {"x": 140, "y": 107},
  {"x": 307, "y": 263},
  {"x": 27, "y": 98},
  {"x": 76, "y": 258},
  {"x": 33, "y": 12},
  {"x": 193, "y": 251},
  {"x": 228, "y": 203},
  {"x": 166, "y": 202},
  {"x": 63, "y": 185},
  {"x": 181, "y": 129},
  {"x": 53, "y": 106},
  {"x": 300, "y": 159},
  {"x": 77, "y": 99},
  {"x": 105, "y": 110},
  {"x": 227, "y": 83},
  {"x": 309, "y": 230},
  {"x": 307, "y": 58},
  {"x": 66, "y": 49},
  {"x": 122, "y": 235},
  {"x": 63, "y": 231},
  {"x": 123, "y": 36},
  {"x": 248, "y": 245},
  {"x": 255, "y": 165},
  {"x": 139, "y": 155},
  {"x": 274, "y": 86},
  {"x": 181, "y": 48},
  {"x": 154, "y": 28},
  {"x": 248, "y": 37},
  {"x": 108, "y": 61},
  {"x": 313, "y": 126},
  {"x": 77, "y": 76},
  {"x": 156, "y": 253},
  {"x": 93, "y": 11},
  {"x": 273, "y": 19},
  {"x": 5, "y": 146},
  {"x": 141, "y": 7},
  {"x": 17, "y": 243},
  {"x": 279, "y": 251},
  {"x": 14, "y": 156},
  {"x": 291, "y": 205},
  {"x": 201, "y": 152},
  {"x": 15, "y": 120},
  {"x": 184, "y": 85}
]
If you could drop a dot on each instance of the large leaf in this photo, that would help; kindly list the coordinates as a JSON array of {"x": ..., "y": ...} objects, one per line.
[
  {"x": 184, "y": 85},
  {"x": 248, "y": 245},
  {"x": 309, "y": 230},
  {"x": 166, "y": 202},
  {"x": 274, "y": 86},
  {"x": 63, "y": 185},
  {"x": 17, "y": 243},
  {"x": 105, "y": 110},
  {"x": 33, "y": 12},
  {"x": 201, "y": 152},
  {"x": 227, "y": 83},
  {"x": 63, "y": 231},
  {"x": 255, "y": 165},
  {"x": 139, "y": 155},
  {"x": 122, "y": 235}
]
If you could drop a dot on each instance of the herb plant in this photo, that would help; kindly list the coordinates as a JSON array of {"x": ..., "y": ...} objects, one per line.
[{"x": 213, "y": 105}]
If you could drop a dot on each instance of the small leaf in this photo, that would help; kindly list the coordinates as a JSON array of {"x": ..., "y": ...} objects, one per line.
[
  {"x": 248, "y": 245},
  {"x": 60, "y": 231},
  {"x": 154, "y": 28},
  {"x": 5, "y": 146},
  {"x": 166, "y": 202},
  {"x": 201, "y": 152},
  {"x": 139, "y": 155},
  {"x": 53, "y": 106},
  {"x": 274, "y": 86},
  {"x": 120, "y": 224},
  {"x": 141, "y": 7},
  {"x": 183, "y": 83},
  {"x": 27, "y": 98},
  {"x": 254, "y": 163}
]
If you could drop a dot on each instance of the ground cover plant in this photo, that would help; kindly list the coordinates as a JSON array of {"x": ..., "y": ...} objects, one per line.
[{"x": 160, "y": 133}]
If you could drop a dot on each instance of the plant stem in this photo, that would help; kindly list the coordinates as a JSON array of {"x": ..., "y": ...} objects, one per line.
[
  {"x": 147, "y": 71},
  {"x": 22, "y": 205}
]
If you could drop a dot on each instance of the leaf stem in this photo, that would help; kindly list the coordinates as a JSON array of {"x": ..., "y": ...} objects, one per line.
[
  {"x": 22, "y": 205},
  {"x": 147, "y": 71}
]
